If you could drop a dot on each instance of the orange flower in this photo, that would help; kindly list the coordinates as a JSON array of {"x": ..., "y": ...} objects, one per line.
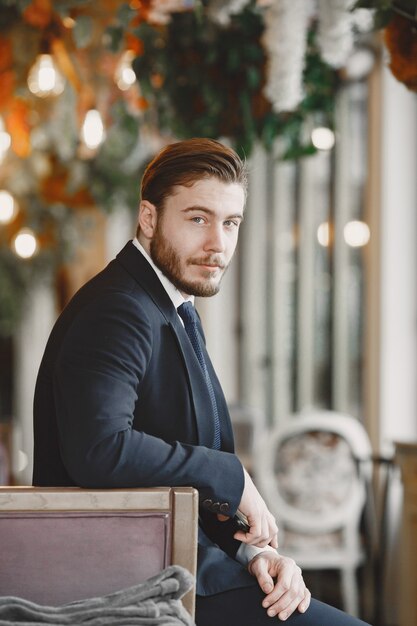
[
  {"x": 19, "y": 128},
  {"x": 143, "y": 8},
  {"x": 7, "y": 83},
  {"x": 38, "y": 13},
  {"x": 65, "y": 63},
  {"x": 7, "y": 75},
  {"x": 134, "y": 44},
  {"x": 142, "y": 103},
  {"x": 157, "y": 80},
  {"x": 6, "y": 55},
  {"x": 54, "y": 188},
  {"x": 401, "y": 40}
]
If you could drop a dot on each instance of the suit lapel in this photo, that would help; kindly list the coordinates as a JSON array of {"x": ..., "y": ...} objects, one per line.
[{"x": 136, "y": 264}]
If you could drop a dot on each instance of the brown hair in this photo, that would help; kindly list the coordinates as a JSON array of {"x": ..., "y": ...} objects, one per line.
[{"x": 185, "y": 162}]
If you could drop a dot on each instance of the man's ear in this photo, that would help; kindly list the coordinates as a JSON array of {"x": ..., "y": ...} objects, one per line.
[{"x": 147, "y": 218}]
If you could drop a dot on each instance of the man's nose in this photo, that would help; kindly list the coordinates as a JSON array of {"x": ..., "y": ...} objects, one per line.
[{"x": 215, "y": 241}]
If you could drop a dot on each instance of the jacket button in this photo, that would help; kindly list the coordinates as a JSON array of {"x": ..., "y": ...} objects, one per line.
[
  {"x": 224, "y": 507},
  {"x": 207, "y": 503}
]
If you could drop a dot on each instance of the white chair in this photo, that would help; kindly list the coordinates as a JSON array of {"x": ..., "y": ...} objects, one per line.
[{"x": 314, "y": 472}]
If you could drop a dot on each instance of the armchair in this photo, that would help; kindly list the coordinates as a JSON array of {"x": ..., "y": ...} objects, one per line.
[{"x": 60, "y": 545}]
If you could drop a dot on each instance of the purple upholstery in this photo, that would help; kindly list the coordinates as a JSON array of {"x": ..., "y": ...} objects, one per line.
[{"x": 53, "y": 557}]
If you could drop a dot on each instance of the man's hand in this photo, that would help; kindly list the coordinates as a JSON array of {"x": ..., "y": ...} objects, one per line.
[
  {"x": 263, "y": 528},
  {"x": 288, "y": 593}
]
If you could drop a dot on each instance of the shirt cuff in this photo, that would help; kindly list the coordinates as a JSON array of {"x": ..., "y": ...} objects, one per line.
[{"x": 246, "y": 553}]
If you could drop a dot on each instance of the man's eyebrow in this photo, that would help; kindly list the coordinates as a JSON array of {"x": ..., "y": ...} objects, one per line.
[{"x": 203, "y": 209}]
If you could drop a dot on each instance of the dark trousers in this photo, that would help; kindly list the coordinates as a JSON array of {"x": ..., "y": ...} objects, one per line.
[{"x": 243, "y": 607}]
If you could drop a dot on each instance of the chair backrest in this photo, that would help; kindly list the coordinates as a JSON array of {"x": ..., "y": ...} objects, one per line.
[
  {"x": 313, "y": 470},
  {"x": 59, "y": 545}
]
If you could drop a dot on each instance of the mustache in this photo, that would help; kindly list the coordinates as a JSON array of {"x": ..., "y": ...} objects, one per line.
[{"x": 209, "y": 260}]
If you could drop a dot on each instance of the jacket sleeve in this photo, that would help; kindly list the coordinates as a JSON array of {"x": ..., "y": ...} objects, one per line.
[{"x": 102, "y": 360}]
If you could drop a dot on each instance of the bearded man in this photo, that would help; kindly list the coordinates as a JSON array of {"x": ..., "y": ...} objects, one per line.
[{"x": 126, "y": 394}]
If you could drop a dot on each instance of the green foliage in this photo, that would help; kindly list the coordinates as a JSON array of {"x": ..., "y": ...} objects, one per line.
[
  {"x": 12, "y": 291},
  {"x": 83, "y": 31},
  {"x": 21, "y": 5},
  {"x": 114, "y": 173},
  {"x": 125, "y": 15},
  {"x": 16, "y": 278},
  {"x": 60, "y": 6},
  {"x": 204, "y": 80}
]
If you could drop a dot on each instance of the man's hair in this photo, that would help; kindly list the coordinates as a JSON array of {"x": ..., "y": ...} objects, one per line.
[{"x": 186, "y": 162}]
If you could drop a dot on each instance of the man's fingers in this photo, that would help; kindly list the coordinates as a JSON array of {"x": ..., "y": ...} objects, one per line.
[
  {"x": 295, "y": 605},
  {"x": 251, "y": 538},
  {"x": 305, "y": 603},
  {"x": 263, "y": 528},
  {"x": 289, "y": 602},
  {"x": 263, "y": 531},
  {"x": 283, "y": 587},
  {"x": 288, "y": 593},
  {"x": 259, "y": 569},
  {"x": 289, "y": 590}
]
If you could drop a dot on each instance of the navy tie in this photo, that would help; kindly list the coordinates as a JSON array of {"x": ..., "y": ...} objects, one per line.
[{"x": 189, "y": 316}]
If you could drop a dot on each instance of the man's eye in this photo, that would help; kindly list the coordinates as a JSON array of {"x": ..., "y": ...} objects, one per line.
[
  {"x": 231, "y": 223},
  {"x": 198, "y": 220}
]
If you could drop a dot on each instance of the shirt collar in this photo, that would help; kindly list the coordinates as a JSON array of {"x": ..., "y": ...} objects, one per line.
[{"x": 174, "y": 294}]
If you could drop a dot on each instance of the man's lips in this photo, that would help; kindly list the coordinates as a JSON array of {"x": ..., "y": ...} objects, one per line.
[{"x": 209, "y": 265}]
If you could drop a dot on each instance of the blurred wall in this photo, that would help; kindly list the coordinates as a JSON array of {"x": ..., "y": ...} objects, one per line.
[{"x": 398, "y": 302}]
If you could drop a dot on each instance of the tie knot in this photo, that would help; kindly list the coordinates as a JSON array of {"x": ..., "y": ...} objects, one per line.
[{"x": 187, "y": 313}]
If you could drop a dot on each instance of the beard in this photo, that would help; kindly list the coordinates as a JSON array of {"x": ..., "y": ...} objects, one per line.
[{"x": 167, "y": 259}]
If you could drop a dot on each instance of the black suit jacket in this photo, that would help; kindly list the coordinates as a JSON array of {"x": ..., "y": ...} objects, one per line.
[{"x": 121, "y": 401}]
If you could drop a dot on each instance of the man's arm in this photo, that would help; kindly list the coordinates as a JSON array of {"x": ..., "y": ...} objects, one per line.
[{"x": 102, "y": 361}]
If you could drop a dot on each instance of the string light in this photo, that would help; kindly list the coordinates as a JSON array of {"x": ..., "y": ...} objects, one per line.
[
  {"x": 25, "y": 243},
  {"x": 323, "y": 234},
  {"x": 322, "y": 138},
  {"x": 68, "y": 22},
  {"x": 356, "y": 234},
  {"x": 124, "y": 75},
  {"x": 8, "y": 207},
  {"x": 360, "y": 63},
  {"x": 92, "y": 131},
  {"x": 5, "y": 140},
  {"x": 44, "y": 79}
]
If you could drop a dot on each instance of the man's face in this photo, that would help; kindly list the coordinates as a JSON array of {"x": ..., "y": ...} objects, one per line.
[{"x": 196, "y": 234}]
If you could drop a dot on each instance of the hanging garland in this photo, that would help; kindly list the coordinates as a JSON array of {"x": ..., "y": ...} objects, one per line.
[
  {"x": 201, "y": 81},
  {"x": 204, "y": 68}
]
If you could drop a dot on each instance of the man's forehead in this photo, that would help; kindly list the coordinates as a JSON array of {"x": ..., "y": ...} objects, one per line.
[{"x": 207, "y": 188}]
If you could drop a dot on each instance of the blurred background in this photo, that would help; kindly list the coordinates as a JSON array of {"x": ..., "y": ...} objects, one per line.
[{"x": 316, "y": 319}]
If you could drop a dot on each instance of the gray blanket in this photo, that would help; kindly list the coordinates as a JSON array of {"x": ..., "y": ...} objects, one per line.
[{"x": 156, "y": 601}]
